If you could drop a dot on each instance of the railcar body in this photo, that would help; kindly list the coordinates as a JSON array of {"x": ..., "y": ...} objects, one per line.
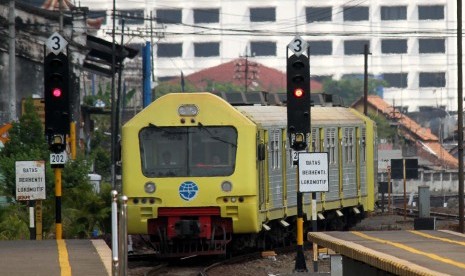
[{"x": 200, "y": 172}]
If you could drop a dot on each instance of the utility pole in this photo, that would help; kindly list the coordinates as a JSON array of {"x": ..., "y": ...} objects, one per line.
[
  {"x": 365, "y": 80},
  {"x": 60, "y": 8},
  {"x": 12, "y": 61},
  {"x": 248, "y": 71},
  {"x": 460, "y": 112}
]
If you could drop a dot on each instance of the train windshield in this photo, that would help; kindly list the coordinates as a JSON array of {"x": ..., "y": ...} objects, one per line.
[{"x": 188, "y": 151}]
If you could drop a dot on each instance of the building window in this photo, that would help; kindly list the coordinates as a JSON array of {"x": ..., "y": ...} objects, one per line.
[
  {"x": 431, "y": 45},
  {"x": 262, "y": 14},
  {"x": 98, "y": 14},
  {"x": 169, "y": 16},
  {"x": 433, "y": 79},
  {"x": 263, "y": 48},
  {"x": 317, "y": 14},
  {"x": 394, "y": 46},
  {"x": 206, "y": 16},
  {"x": 132, "y": 17},
  {"x": 321, "y": 48},
  {"x": 354, "y": 13},
  {"x": 355, "y": 47},
  {"x": 169, "y": 49},
  {"x": 393, "y": 12},
  {"x": 207, "y": 49},
  {"x": 435, "y": 12},
  {"x": 395, "y": 79}
]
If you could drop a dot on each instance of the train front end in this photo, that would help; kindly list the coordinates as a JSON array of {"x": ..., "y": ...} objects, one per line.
[{"x": 189, "y": 171}]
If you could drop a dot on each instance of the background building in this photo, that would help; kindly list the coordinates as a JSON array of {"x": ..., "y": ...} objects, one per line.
[{"x": 412, "y": 42}]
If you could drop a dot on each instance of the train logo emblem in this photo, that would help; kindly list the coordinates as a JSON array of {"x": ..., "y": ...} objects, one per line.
[{"x": 188, "y": 190}]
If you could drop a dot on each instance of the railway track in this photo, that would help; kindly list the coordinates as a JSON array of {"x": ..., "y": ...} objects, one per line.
[
  {"x": 193, "y": 266},
  {"x": 414, "y": 213}
]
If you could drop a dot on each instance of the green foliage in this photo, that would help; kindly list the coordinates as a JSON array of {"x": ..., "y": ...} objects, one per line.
[
  {"x": 82, "y": 209},
  {"x": 385, "y": 130},
  {"x": 210, "y": 86},
  {"x": 27, "y": 142},
  {"x": 350, "y": 89},
  {"x": 13, "y": 224}
]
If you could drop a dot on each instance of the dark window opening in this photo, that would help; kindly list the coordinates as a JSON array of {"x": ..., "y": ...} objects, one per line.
[
  {"x": 356, "y": 13},
  {"x": 394, "y": 46},
  {"x": 262, "y": 15},
  {"x": 206, "y": 16},
  {"x": 132, "y": 17},
  {"x": 169, "y": 50},
  {"x": 321, "y": 48},
  {"x": 435, "y": 12},
  {"x": 169, "y": 16},
  {"x": 208, "y": 49},
  {"x": 393, "y": 13},
  {"x": 433, "y": 79},
  {"x": 395, "y": 79},
  {"x": 355, "y": 47},
  {"x": 317, "y": 14},
  {"x": 432, "y": 45},
  {"x": 263, "y": 48}
]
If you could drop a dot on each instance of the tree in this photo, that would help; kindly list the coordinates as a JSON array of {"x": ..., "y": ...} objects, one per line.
[
  {"x": 82, "y": 209},
  {"x": 350, "y": 89}
]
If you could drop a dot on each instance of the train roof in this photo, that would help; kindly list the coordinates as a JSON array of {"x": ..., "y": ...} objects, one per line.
[{"x": 320, "y": 115}]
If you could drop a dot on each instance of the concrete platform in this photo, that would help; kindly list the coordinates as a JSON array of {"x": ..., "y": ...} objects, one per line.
[
  {"x": 55, "y": 257},
  {"x": 400, "y": 252}
]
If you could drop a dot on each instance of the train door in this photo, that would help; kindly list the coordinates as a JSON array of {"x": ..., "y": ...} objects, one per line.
[
  {"x": 275, "y": 168},
  {"x": 331, "y": 146},
  {"x": 262, "y": 161},
  {"x": 348, "y": 162}
]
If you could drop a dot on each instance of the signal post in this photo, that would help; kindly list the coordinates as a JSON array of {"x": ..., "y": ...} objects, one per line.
[
  {"x": 57, "y": 113},
  {"x": 298, "y": 123}
]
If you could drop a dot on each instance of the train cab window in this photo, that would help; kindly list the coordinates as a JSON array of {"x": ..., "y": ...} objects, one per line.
[{"x": 188, "y": 151}]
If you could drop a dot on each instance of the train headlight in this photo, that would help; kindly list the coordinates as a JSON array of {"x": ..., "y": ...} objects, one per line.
[
  {"x": 188, "y": 110},
  {"x": 226, "y": 186},
  {"x": 150, "y": 187}
]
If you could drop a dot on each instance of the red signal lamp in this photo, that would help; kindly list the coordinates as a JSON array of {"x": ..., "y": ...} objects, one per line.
[
  {"x": 56, "y": 92},
  {"x": 298, "y": 92}
]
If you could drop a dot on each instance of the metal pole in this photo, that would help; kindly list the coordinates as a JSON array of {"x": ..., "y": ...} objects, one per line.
[
  {"x": 32, "y": 232},
  {"x": 12, "y": 61},
  {"x": 300, "y": 265},
  {"x": 123, "y": 236},
  {"x": 113, "y": 102},
  {"x": 405, "y": 188},
  {"x": 365, "y": 81},
  {"x": 314, "y": 229},
  {"x": 114, "y": 232},
  {"x": 460, "y": 112},
  {"x": 58, "y": 226}
]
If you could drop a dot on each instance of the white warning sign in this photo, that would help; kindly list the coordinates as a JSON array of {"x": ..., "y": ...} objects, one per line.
[
  {"x": 313, "y": 172},
  {"x": 30, "y": 180}
]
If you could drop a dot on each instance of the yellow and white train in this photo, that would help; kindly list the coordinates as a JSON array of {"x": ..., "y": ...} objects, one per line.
[{"x": 202, "y": 174}]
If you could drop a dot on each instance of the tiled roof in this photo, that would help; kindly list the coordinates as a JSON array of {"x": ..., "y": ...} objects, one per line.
[
  {"x": 268, "y": 79},
  {"x": 428, "y": 143}
]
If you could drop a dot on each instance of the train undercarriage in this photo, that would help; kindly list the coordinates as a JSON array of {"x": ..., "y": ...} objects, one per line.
[{"x": 184, "y": 232}]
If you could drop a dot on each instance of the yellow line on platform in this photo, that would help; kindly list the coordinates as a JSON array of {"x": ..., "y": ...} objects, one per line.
[
  {"x": 63, "y": 259},
  {"x": 411, "y": 249},
  {"x": 436, "y": 238}
]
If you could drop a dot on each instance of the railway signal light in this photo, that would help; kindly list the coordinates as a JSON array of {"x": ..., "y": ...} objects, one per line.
[
  {"x": 298, "y": 94},
  {"x": 56, "y": 94}
]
